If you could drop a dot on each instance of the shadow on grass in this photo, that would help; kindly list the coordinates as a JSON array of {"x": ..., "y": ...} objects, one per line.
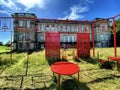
[
  {"x": 53, "y": 60},
  {"x": 72, "y": 84},
  {"x": 106, "y": 65},
  {"x": 77, "y": 60},
  {"x": 101, "y": 79},
  {"x": 90, "y": 60},
  {"x": 51, "y": 87}
]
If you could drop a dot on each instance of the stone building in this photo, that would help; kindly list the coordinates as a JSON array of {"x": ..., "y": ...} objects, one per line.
[{"x": 29, "y": 31}]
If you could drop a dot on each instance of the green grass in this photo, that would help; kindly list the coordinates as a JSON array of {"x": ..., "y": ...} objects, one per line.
[
  {"x": 33, "y": 72},
  {"x": 4, "y": 49}
]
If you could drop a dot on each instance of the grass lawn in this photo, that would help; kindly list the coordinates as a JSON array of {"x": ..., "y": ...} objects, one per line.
[
  {"x": 4, "y": 49},
  {"x": 33, "y": 72}
]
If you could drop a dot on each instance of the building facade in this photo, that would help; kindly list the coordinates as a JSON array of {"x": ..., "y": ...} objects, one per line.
[{"x": 29, "y": 31}]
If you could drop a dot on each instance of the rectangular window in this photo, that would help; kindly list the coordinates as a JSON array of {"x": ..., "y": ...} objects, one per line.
[
  {"x": 53, "y": 28},
  {"x": 64, "y": 28},
  {"x": 39, "y": 27},
  {"x": 82, "y": 28},
  {"x": 58, "y": 28},
  {"x": 27, "y": 36},
  {"x": 64, "y": 38},
  {"x": 20, "y": 36},
  {"x": 72, "y": 29},
  {"x": 21, "y": 23},
  {"x": 42, "y": 38},
  {"x": 101, "y": 37},
  {"x": 68, "y": 38},
  {"x": 42, "y": 27},
  {"x": 76, "y": 28},
  {"x": 73, "y": 38},
  {"x": 28, "y": 24},
  {"x": 68, "y": 28},
  {"x": 47, "y": 28},
  {"x": 20, "y": 45}
]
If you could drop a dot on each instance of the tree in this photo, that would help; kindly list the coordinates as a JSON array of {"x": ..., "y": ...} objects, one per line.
[
  {"x": 8, "y": 44},
  {"x": 1, "y": 43},
  {"x": 118, "y": 25}
]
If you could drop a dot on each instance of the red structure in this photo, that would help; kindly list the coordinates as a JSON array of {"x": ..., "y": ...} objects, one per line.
[
  {"x": 83, "y": 44},
  {"x": 65, "y": 68},
  {"x": 114, "y": 30},
  {"x": 52, "y": 45}
]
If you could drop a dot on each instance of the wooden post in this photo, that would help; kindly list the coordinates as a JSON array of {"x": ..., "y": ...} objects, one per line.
[
  {"x": 11, "y": 47},
  {"x": 93, "y": 44}
]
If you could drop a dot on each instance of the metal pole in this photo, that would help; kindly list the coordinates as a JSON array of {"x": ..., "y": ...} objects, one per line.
[
  {"x": 93, "y": 44},
  {"x": 114, "y": 29}
]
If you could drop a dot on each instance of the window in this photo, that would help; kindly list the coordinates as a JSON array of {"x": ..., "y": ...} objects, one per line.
[
  {"x": 68, "y": 38},
  {"x": 53, "y": 28},
  {"x": 82, "y": 28},
  {"x": 64, "y": 28},
  {"x": 47, "y": 28},
  {"x": 42, "y": 27},
  {"x": 106, "y": 37},
  {"x": 101, "y": 37},
  {"x": 28, "y": 24},
  {"x": 20, "y": 36},
  {"x": 76, "y": 28},
  {"x": 58, "y": 28},
  {"x": 73, "y": 38},
  {"x": 72, "y": 29},
  {"x": 42, "y": 38},
  {"x": 21, "y": 23},
  {"x": 64, "y": 38},
  {"x": 88, "y": 29},
  {"x": 39, "y": 27},
  {"x": 20, "y": 45},
  {"x": 27, "y": 36},
  {"x": 68, "y": 28}
]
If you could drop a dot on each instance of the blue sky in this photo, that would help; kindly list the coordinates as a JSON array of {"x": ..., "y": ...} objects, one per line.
[{"x": 60, "y": 9}]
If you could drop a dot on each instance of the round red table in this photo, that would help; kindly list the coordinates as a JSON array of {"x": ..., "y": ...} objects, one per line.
[{"x": 64, "y": 68}]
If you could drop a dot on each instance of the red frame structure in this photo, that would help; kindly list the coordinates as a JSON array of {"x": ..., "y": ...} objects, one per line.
[
  {"x": 52, "y": 45},
  {"x": 83, "y": 44},
  {"x": 114, "y": 30}
]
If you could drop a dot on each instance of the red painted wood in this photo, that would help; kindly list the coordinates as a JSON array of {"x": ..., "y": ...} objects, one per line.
[
  {"x": 65, "y": 68},
  {"x": 83, "y": 44},
  {"x": 52, "y": 45}
]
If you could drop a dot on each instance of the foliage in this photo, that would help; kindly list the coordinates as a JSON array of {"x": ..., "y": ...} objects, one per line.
[
  {"x": 1, "y": 43},
  {"x": 8, "y": 44},
  {"x": 118, "y": 24}
]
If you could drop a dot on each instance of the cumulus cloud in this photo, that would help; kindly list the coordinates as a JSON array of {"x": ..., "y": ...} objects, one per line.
[
  {"x": 11, "y": 6},
  {"x": 31, "y": 3},
  {"x": 76, "y": 11}
]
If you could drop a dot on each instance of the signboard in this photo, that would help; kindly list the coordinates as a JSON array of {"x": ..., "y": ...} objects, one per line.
[{"x": 6, "y": 24}]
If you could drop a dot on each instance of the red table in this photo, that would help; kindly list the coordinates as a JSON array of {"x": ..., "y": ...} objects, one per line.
[
  {"x": 117, "y": 59},
  {"x": 64, "y": 68}
]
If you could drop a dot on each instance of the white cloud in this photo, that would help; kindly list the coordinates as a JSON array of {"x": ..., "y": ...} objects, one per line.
[
  {"x": 5, "y": 12},
  {"x": 32, "y": 3},
  {"x": 10, "y": 6},
  {"x": 77, "y": 11}
]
